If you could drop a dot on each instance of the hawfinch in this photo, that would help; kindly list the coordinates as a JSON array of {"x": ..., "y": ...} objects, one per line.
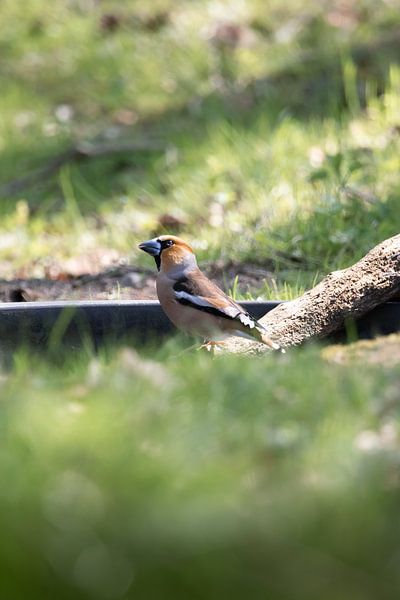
[{"x": 194, "y": 303}]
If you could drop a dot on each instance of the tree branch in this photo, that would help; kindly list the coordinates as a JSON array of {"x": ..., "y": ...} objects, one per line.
[{"x": 341, "y": 295}]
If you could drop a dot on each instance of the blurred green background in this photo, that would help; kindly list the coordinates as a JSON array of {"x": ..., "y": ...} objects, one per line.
[
  {"x": 262, "y": 132},
  {"x": 267, "y": 134}
]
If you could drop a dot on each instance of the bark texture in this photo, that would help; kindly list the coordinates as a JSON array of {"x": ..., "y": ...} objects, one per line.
[{"x": 344, "y": 294}]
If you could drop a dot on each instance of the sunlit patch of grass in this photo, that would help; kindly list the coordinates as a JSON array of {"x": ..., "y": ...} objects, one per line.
[
  {"x": 257, "y": 169},
  {"x": 287, "y": 285}
]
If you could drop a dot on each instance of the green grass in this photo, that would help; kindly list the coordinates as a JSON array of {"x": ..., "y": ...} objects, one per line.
[
  {"x": 274, "y": 142},
  {"x": 144, "y": 477},
  {"x": 280, "y": 148}
]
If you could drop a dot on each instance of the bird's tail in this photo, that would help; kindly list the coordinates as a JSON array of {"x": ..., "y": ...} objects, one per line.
[{"x": 263, "y": 337}]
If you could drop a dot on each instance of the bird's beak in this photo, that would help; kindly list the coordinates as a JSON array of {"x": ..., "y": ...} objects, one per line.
[{"x": 152, "y": 247}]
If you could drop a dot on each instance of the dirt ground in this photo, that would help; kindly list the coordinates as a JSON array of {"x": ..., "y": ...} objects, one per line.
[
  {"x": 120, "y": 283},
  {"x": 384, "y": 351}
]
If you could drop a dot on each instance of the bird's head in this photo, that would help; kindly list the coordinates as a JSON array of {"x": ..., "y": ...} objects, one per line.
[{"x": 170, "y": 253}]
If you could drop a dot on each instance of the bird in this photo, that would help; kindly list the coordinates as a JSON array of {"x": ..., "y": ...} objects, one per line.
[{"x": 193, "y": 302}]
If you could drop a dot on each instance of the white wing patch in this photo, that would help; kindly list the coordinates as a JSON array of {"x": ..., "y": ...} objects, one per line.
[
  {"x": 230, "y": 311},
  {"x": 200, "y": 301},
  {"x": 246, "y": 320}
]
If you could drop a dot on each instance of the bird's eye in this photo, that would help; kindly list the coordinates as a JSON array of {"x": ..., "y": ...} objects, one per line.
[{"x": 165, "y": 244}]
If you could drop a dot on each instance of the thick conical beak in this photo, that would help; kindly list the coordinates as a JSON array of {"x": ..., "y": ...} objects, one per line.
[{"x": 152, "y": 247}]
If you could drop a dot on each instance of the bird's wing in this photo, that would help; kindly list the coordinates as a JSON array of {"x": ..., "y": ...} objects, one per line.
[{"x": 197, "y": 291}]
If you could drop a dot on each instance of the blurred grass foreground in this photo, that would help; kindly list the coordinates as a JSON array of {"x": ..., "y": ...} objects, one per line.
[{"x": 266, "y": 133}]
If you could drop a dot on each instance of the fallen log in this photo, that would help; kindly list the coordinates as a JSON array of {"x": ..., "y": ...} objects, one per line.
[{"x": 340, "y": 296}]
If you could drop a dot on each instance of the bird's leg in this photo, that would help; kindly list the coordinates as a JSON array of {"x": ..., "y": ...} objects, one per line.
[
  {"x": 210, "y": 345},
  {"x": 186, "y": 350},
  {"x": 207, "y": 345}
]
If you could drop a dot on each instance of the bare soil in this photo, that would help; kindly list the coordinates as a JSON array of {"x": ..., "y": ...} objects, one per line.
[
  {"x": 384, "y": 351},
  {"x": 121, "y": 283}
]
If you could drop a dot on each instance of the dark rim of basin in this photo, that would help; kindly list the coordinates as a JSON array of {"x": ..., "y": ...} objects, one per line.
[{"x": 48, "y": 324}]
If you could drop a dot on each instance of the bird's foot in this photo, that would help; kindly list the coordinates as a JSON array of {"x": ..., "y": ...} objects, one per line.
[{"x": 211, "y": 345}]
